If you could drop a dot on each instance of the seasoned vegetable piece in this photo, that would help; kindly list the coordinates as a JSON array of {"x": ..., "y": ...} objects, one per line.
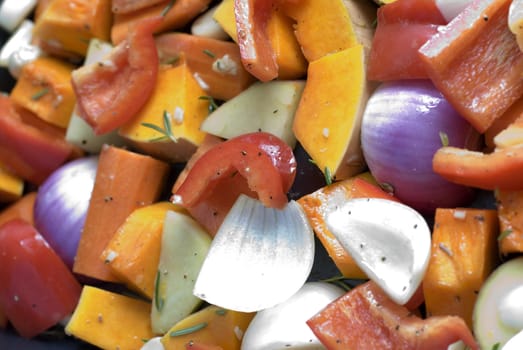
[
  {"x": 124, "y": 181},
  {"x": 323, "y": 201},
  {"x": 176, "y": 15},
  {"x": 328, "y": 118},
  {"x": 133, "y": 252},
  {"x": 216, "y": 64},
  {"x": 109, "y": 320},
  {"x": 510, "y": 204},
  {"x": 366, "y": 319},
  {"x": 11, "y": 186},
  {"x": 464, "y": 253},
  {"x": 38, "y": 290},
  {"x": 27, "y": 151},
  {"x": 402, "y": 28},
  {"x": 109, "y": 93},
  {"x": 65, "y": 27},
  {"x": 264, "y": 160},
  {"x": 184, "y": 246},
  {"x": 44, "y": 88},
  {"x": 126, "y": 6},
  {"x": 177, "y": 109},
  {"x": 476, "y": 63},
  {"x": 212, "y": 326},
  {"x": 23, "y": 209}
]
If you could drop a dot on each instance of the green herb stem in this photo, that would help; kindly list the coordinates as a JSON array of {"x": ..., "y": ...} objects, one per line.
[{"x": 188, "y": 330}]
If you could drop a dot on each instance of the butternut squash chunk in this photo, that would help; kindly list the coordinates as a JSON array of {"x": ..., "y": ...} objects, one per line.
[
  {"x": 325, "y": 27},
  {"x": 45, "y": 88},
  {"x": 109, "y": 320},
  {"x": 11, "y": 186},
  {"x": 64, "y": 27},
  {"x": 464, "y": 253},
  {"x": 211, "y": 326},
  {"x": 511, "y": 115},
  {"x": 124, "y": 181},
  {"x": 180, "y": 14},
  {"x": 509, "y": 204},
  {"x": 23, "y": 209},
  {"x": 328, "y": 118},
  {"x": 280, "y": 29},
  {"x": 177, "y": 98},
  {"x": 216, "y": 63},
  {"x": 133, "y": 252},
  {"x": 318, "y": 204}
]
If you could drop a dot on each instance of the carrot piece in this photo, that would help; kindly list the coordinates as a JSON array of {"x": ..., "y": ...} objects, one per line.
[
  {"x": 501, "y": 169},
  {"x": 216, "y": 63},
  {"x": 23, "y": 209},
  {"x": 317, "y": 204},
  {"x": 509, "y": 204},
  {"x": 124, "y": 181},
  {"x": 464, "y": 252},
  {"x": 180, "y": 14},
  {"x": 476, "y": 62},
  {"x": 133, "y": 252}
]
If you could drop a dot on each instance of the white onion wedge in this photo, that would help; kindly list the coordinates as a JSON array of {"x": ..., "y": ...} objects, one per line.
[
  {"x": 389, "y": 241},
  {"x": 259, "y": 257},
  {"x": 451, "y": 8},
  {"x": 284, "y": 325},
  {"x": 515, "y": 20}
]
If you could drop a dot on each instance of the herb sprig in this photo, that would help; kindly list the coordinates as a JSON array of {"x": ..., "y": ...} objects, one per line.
[{"x": 166, "y": 131}]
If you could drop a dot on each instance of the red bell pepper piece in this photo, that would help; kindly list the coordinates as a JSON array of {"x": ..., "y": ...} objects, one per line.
[
  {"x": 29, "y": 152},
  {"x": 264, "y": 160},
  {"x": 111, "y": 92},
  {"x": 38, "y": 289},
  {"x": 403, "y": 26},
  {"x": 257, "y": 55},
  {"x": 476, "y": 63},
  {"x": 365, "y": 318}
]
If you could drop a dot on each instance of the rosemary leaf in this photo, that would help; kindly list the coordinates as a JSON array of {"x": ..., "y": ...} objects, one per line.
[
  {"x": 155, "y": 127},
  {"x": 39, "y": 94},
  {"x": 212, "y": 102},
  {"x": 328, "y": 176},
  {"x": 168, "y": 8},
  {"x": 188, "y": 330},
  {"x": 209, "y": 53},
  {"x": 444, "y": 138},
  {"x": 504, "y": 234},
  {"x": 158, "y": 301}
]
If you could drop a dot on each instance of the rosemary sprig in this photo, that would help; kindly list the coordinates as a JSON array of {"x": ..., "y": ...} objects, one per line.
[
  {"x": 168, "y": 8},
  {"x": 328, "y": 176},
  {"x": 188, "y": 330},
  {"x": 212, "y": 102},
  {"x": 504, "y": 234},
  {"x": 209, "y": 53},
  {"x": 444, "y": 138},
  {"x": 166, "y": 131},
  {"x": 158, "y": 301},
  {"x": 39, "y": 94}
]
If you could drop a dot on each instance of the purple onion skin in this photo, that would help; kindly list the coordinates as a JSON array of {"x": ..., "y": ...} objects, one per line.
[
  {"x": 61, "y": 206},
  {"x": 401, "y": 132}
]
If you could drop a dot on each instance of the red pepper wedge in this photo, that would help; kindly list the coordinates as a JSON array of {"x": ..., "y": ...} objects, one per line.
[
  {"x": 403, "y": 26},
  {"x": 38, "y": 289},
  {"x": 365, "y": 318},
  {"x": 499, "y": 170},
  {"x": 29, "y": 152},
  {"x": 257, "y": 54},
  {"x": 476, "y": 63},
  {"x": 264, "y": 160},
  {"x": 109, "y": 93}
]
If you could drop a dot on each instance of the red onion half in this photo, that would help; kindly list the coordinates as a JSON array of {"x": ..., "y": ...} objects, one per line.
[
  {"x": 61, "y": 205},
  {"x": 403, "y": 125}
]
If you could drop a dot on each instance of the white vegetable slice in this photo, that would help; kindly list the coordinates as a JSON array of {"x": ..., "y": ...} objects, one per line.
[
  {"x": 184, "y": 247},
  {"x": 497, "y": 312},
  {"x": 205, "y": 25},
  {"x": 258, "y": 258},
  {"x": 20, "y": 39},
  {"x": 388, "y": 240},
  {"x": 13, "y": 12},
  {"x": 515, "y": 20},
  {"x": 514, "y": 343},
  {"x": 267, "y": 106},
  {"x": 153, "y": 344},
  {"x": 284, "y": 325}
]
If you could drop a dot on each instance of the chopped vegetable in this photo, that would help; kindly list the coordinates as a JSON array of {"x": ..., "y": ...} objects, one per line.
[
  {"x": 464, "y": 252},
  {"x": 110, "y": 320},
  {"x": 475, "y": 62},
  {"x": 110, "y": 92},
  {"x": 124, "y": 181},
  {"x": 38, "y": 290}
]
